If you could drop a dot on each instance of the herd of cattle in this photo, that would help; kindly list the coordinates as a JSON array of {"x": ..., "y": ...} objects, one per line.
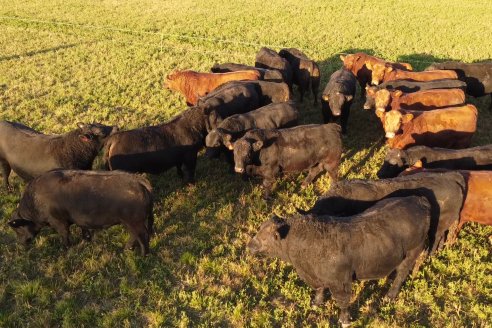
[{"x": 361, "y": 229}]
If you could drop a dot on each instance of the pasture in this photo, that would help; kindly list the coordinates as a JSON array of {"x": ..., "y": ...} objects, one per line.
[{"x": 62, "y": 62}]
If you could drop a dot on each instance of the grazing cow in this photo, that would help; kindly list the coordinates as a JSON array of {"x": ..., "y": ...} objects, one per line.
[
  {"x": 273, "y": 116},
  {"x": 155, "y": 149},
  {"x": 88, "y": 199},
  {"x": 270, "y": 59},
  {"x": 477, "y": 204},
  {"x": 409, "y": 87},
  {"x": 229, "y": 99},
  {"x": 447, "y": 127},
  {"x": 305, "y": 71},
  {"x": 267, "y": 153},
  {"x": 337, "y": 97},
  {"x": 194, "y": 85},
  {"x": 358, "y": 64},
  {"x": 271, "y": 75},
  {"x": 478, "y": 76},
  {"x": 30, "y": 153},
  {"x": 385, "y": 73},
  {"x": 445, "y": 192},
  {"x": 332, "y": 252},
  {"x": 397, "y": 160},
  {"x": 420, "y": 100}
]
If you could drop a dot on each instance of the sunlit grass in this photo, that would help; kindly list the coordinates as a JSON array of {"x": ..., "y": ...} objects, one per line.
[{"x": 198, "y": 273}]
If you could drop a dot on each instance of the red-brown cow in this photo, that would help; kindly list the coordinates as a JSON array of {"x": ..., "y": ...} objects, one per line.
[
  {"x": 477, "y": 205},
  {"x": 358, "y": 64},
  {"x": 384, "y": 73},
  {"x": 420, "y": 100},
  {"x": 446, "y": 127},
  {"x": 194, "y": 85}
]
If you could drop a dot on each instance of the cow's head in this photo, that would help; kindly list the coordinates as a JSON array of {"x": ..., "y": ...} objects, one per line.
[
  {"x": 173, "y": 80},
  {"x": 383, "y": 98},
  {"x": 336, "y": 100},
  {"x": 269, "y": 237},
  {"x": 395, "y": 162},
  {"x": 349, "y": 60},
  {"x": 378, "y": 71},
  {"x": 25, "y": 230},
  {"x": 245, "y": 149},
  {"x": 370, "y": 102},
  {"x": 392, "y": 121},
  {"x": 95, "y": 132}
]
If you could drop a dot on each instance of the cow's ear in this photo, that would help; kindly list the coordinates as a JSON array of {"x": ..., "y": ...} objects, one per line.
[
  {"x": 257, "y": 145},
  {"x": 369, "y": 65},
  {"x": 389, "y": 69},
  {"x": 342, "y": 58},
  {"x": 407, "y": 118},
  {"x": 325, "y": 97},
  {"x": 282, "y": 231},
  {"x": 80, "y": 125},
  {"x": 380, "y": 114},
  {"x": 19, "y": 223},
  {"x": 398, "y": 93},
  {"x": 349, "y": 97},
  {"x": 418, "y": 164}
]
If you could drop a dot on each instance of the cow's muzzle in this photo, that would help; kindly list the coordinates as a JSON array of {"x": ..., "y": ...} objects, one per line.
[
  {"x": 239, "y": 169},
  {"x": 390, "y": 135}
]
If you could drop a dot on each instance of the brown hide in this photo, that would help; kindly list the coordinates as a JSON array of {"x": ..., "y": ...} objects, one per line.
[
  {"x": 194, "y": 85},
  {"x": 392, "y": 74},
  {"x": 446, "y": 128},
  {"x": 356, "y": 63},
  {"x": 427, "y": 99}
]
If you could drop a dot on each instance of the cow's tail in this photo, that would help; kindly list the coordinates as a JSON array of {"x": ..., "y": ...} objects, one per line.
[
  {"x": 106, "y": 155},
  {"x": 315, "y": 79}
]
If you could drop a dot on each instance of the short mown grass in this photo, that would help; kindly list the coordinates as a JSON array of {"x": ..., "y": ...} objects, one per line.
[{"x": 198, "y": 272}]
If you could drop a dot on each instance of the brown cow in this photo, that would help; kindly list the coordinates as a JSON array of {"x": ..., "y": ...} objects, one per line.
[
  {"x": 194, "y": 85},
  {"x": 385, "y": 73},
  {"x": 420, "y": 100},
  {"x": 357, "y": 64},
  {"x": 477, "y": 205},
  {"x": 451, "y": 127}
]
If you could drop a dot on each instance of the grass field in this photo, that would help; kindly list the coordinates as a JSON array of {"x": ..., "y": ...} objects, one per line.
[{"x": 198, "y": 273}]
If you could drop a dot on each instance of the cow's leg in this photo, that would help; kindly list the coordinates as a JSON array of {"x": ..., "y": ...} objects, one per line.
[
  {"x": 312, "y": 174},
  {"x": 189, "y": 167},
  {"x": 179, "y": 170},
  {"x": 63, "y": 228},
  {"x": 332, "y": 169},
  {"x": 490, "y": 106},
  {"x": 341, "y": 292},
  {"x": 267, "y": 187},
  {"x": 344, "y": 118},
  {"x": 6, "y": 169},
  {"x": 319, "y": 297},
  {"x": 86, "y": 234},
  {"x": 138, "y": 235},
  {"x": 403, "y": 269}
]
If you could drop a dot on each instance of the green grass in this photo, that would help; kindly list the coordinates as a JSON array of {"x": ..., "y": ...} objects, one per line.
[{"x": 198, "y": 273}]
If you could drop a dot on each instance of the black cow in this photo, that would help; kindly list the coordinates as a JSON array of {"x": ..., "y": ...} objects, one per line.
[
  {"x": 271, "y": 75},
  {"x": 331, "y": 252},
  {"x": 305, "y": 71},
  {"x": 155, "y": 149},
  {"x": 478, "y": 76},
  {"x": 268, "y": 92},
  {"x": 397, "y": 160},
  {"x": 88, "y": 199},
  {"x": 229, "y": 99},
  {"x": 338, "y": 96},
  {"x": 30, "y": 153},
  {"x": 267, "y": 153},
  {"x": 270, "y": 59},
  {"x": 273, "y": 116},
  {"x": 445, "y": 192},
  {"x": 408, "y": 86}
]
